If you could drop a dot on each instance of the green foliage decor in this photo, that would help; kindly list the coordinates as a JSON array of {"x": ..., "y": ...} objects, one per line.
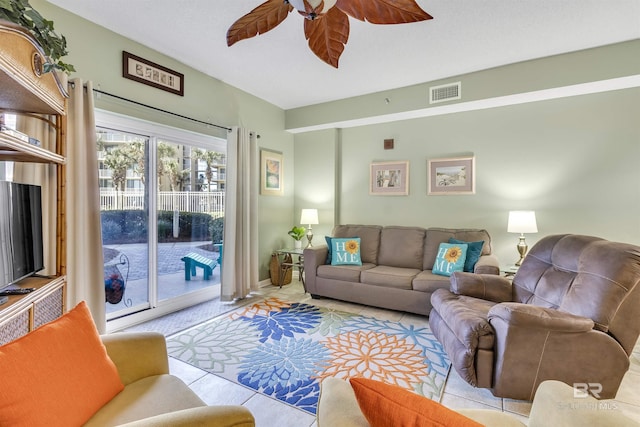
[
  {"x": 20, "y": 12},
  {"x": 297, "y": 233}
]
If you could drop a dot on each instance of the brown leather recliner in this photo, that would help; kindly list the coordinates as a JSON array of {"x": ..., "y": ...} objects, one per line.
[{"x": 571, "y": 314}]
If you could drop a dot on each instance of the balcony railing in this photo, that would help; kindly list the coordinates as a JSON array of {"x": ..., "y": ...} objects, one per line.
[{"x": 183, "y": 201}]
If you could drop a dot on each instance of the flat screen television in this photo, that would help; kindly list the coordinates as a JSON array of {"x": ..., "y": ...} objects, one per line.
[{"x": 21, "y": 243}]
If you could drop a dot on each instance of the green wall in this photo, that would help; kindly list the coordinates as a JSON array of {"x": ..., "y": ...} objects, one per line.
[
  {"x": 573, "y": 160},
  {"x": 575, "y": 68},
  {"x": 96, "y": 54}
]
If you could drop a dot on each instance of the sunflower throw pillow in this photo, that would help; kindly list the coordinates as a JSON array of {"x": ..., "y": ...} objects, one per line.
[
  {"x": 474, "y": 251},
  {"x": 450, "y": 258},
  {"x": 345, "y": 251}
]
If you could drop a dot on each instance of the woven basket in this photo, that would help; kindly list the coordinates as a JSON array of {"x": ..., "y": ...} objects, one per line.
[{"x": 274, "y": 270}]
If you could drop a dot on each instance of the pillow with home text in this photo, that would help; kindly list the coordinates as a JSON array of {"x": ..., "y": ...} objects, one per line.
[
  {"x": 345, "y": 251},
  {"x": 329, "y": 239},
  {"x": 450, "y": 258}
]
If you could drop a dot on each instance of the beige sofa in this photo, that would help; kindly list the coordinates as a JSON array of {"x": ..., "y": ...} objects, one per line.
[
  {"x": 555, "y": 404},
  {"x": 396, "y": 266},
  {"x": 153, "y": 397}
]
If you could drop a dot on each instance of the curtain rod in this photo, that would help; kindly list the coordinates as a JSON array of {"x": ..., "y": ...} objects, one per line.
[{"x": 161, "y": 110}]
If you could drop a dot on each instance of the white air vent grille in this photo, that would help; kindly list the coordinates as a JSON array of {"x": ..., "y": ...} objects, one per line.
[{"x": 444, "y": 93}]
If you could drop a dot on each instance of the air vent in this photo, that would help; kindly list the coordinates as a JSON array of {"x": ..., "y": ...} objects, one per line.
[{"x": 444, "y": 93}]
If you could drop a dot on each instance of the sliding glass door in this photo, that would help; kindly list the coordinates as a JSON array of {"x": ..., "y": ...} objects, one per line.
[
  {"x": 124, "y": 208},
  {"x": 162, "y": 206},
  {"x": 190, "y": 209}
]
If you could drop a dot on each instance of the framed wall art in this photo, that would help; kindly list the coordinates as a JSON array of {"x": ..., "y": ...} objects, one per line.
[
  {"x": 389, "y": 179},
  {"x": 152, "y": 74},
  {"x": 271, "y": 173},
  {"x": 451, "y": 176}
]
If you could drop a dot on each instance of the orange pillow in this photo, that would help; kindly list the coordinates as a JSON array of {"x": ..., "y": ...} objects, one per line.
[
  {"x": 386, "y": 405},
  {"x": 58, "y": 375}
]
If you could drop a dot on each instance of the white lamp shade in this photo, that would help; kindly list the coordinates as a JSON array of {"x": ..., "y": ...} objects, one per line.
[
  {"x": 309, "y": 216},
  {"x": 522, "y": 222}
]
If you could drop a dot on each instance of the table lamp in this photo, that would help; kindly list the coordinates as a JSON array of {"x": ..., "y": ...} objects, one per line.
[
  {"x": 309, "y": 216},
  {"x": 522, "y": 222}
]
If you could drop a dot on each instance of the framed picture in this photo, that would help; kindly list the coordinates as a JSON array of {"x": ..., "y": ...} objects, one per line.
[
  {"x": 271, "y": 173},
  {"x": 451, "y": 176},
  {"x": 152, "y": 74},
  {"x": 389, "y": 179}
]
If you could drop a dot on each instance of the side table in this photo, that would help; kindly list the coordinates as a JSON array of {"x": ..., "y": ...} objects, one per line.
[
  {"x": 509, "y": 271},
  {"x": 297, "y": 261}
]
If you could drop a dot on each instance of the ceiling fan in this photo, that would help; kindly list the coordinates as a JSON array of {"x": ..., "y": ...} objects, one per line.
[{"x": 326, "y": 24}]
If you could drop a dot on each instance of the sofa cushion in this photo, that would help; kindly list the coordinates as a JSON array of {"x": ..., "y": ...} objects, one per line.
[
  {"x": 345, "y": 251},
  {"x": 369, "y": 239},
  {"x": 150, "y": 396},
  {"x": 387, "y": 405},
  {"x": 426, "y": 281},
  {"x": 347, "y": 273},
  {"x": 392, "y": 277},
  {"x": 401, "y": 247},
  {"x": 474, "y": 250},
  {"x": 58, "y": 375},
  {"x": 451, "y": 258},
  {"x": 435, "y": 236}
]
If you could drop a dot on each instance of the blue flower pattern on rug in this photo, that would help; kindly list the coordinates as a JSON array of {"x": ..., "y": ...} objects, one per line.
[
  {"x": 286, "y": 349},
  {"x": 297, "y": 319},
  {"x": 284, "y": 365}
]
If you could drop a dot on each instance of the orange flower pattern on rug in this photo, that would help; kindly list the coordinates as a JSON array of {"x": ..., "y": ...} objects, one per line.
[
  {"x": 262, "y": 308},
  {"x": 377, "y": 356}
]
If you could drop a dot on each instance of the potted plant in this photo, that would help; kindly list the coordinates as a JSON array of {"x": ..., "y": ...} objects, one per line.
[
  {"x": 20, "y": 12},
  {"x": 297, "y": 233}
]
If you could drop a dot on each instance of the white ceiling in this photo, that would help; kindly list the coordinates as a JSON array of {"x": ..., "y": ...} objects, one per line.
[{"x": 464, "y": 36}]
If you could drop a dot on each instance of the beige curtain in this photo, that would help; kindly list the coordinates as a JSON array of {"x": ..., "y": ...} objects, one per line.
[
  {"x": 84, "y": 244},
  {"x": 240, "y": 261}
]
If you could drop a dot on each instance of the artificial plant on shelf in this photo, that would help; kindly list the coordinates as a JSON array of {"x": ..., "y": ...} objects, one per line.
[{"x": 20, "y": 12}]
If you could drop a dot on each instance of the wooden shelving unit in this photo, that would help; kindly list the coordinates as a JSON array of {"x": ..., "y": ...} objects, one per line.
[{"x": 26, "y": 90}]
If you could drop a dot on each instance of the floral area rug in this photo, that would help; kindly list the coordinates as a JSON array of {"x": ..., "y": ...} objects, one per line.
[{"x": 284, "y": 350}]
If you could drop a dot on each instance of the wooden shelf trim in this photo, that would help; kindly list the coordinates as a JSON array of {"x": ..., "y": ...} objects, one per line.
[
  {"x": 36, "y": 93},
  {"x": 14, "y": 149}
]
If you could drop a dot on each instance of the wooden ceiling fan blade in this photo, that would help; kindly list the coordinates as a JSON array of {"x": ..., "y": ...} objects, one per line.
[
  {"x": 384, "y": 11},
  {"x": 328, "y": 35},
  {"x": 263, "y": 18}
]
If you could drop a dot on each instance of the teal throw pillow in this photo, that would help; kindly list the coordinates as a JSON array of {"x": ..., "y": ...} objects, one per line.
[
  {"x": 450, "y": 258},
  {"x": 329, "y": 239},
  {"x": 474, "y": 250},
  {"x": 345, "y": 251}
]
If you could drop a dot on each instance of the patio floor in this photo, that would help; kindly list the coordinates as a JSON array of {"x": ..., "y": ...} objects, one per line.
[{"x": 171, "y": 275}]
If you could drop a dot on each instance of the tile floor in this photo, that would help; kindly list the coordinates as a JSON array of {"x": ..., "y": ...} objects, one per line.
[{"x": 269, "y": 412}]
